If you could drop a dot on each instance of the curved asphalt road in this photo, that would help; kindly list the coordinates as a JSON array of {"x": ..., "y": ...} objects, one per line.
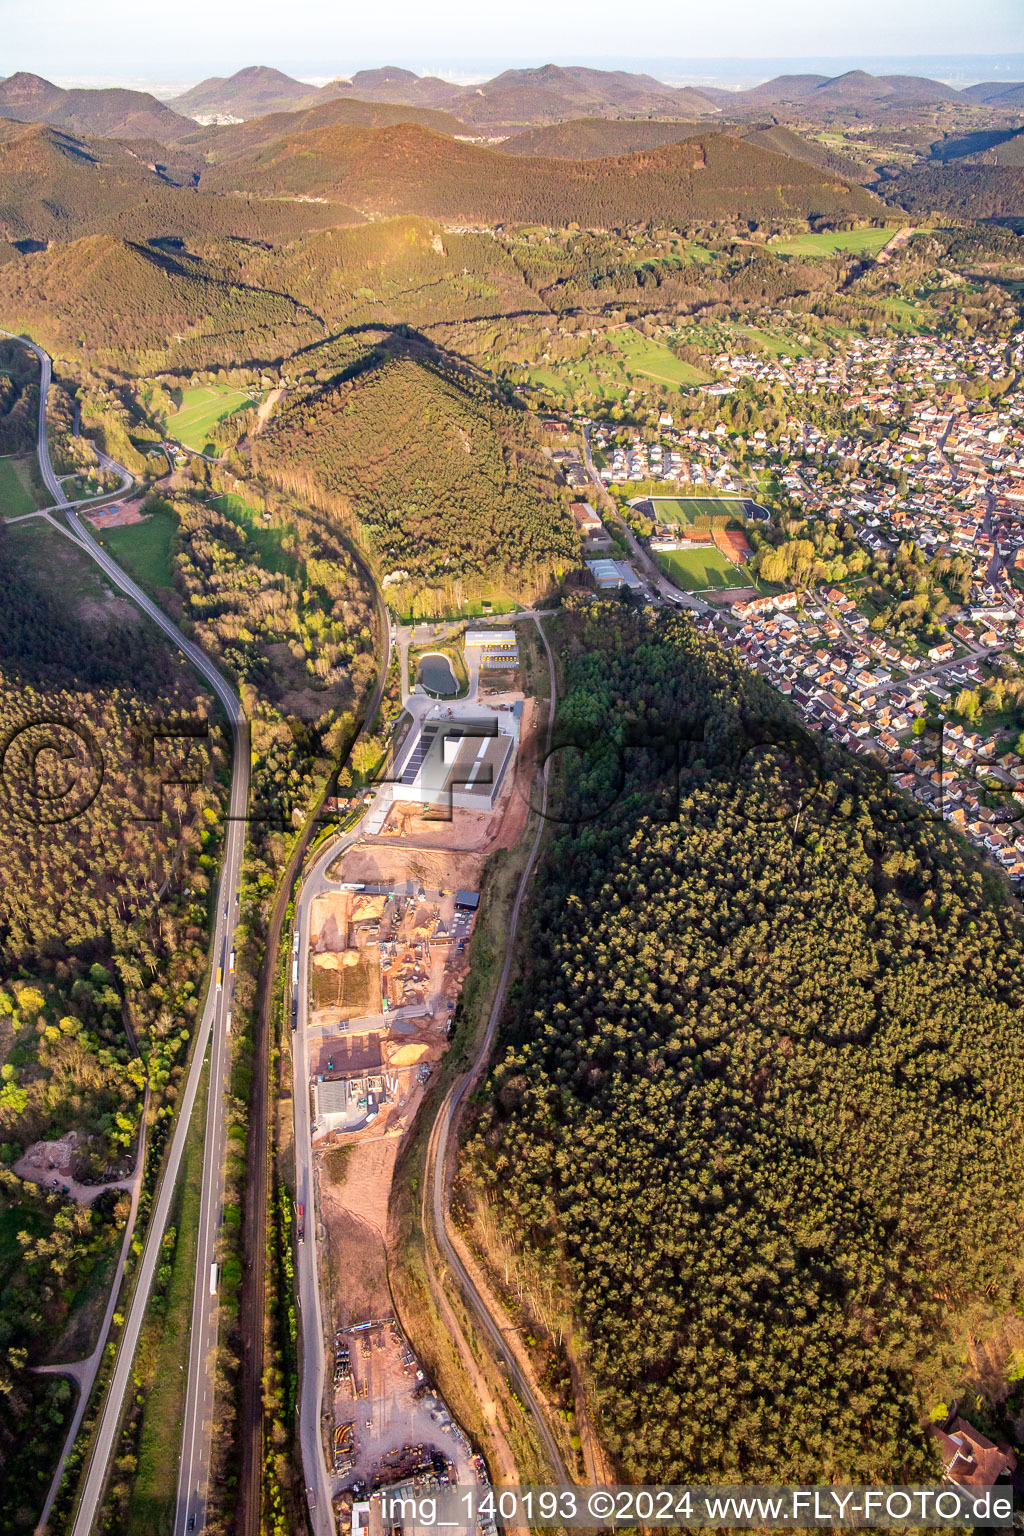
[{"x": 195, "y": 1458}]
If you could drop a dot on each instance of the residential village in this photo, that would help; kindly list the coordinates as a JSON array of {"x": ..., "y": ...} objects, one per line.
[{"x": 945, "y": 474}]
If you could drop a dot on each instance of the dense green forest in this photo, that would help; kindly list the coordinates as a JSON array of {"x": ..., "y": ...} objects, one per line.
[
  {"x": 962, "y": 191},
  {"x": 446, "y": 484},
  {"x": 103, "y": 916},
  {"x": 19, "y": 398},
  {"x": 761, "y": 1097},
  {"x": 102, "y": 299}
]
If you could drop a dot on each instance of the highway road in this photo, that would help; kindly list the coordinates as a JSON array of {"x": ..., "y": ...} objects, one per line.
[{"x": 213, "y": 1026}]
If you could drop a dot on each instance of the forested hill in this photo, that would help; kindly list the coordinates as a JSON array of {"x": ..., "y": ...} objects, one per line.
[
  {"x": 57, "y": 186},
  {"x": 966, "y": 192},
  {"x": 110, "y": 112},
  {"x": 593, "y": 138},
  {"x": 224, "y": 143},
  {"x": 407, "y": 169},
  {"x": 761, "y": 1100},
  {"x": 110, "y": 299},
  {"x": 448, "y": 489}
]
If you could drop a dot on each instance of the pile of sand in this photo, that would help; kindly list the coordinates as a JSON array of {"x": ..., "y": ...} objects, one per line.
[
  {"x": 366, "y": 909},
  {"x": 407, "y": 1055},
  {"x": 424, "y": 921},
  {"x": 337, "y": 960}
]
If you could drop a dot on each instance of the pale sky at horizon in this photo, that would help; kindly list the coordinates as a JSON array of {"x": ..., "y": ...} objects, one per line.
[{"x": 92, "y": 41}]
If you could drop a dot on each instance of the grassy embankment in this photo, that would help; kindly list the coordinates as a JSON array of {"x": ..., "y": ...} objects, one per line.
[{"x": 18, "y": 491}]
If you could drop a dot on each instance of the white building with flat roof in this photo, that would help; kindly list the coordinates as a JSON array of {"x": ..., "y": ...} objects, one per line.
[
  {"x": 457, "y": 762},
  {"x": 486, "y": 639},
  {"x": 497, "y": 647}
]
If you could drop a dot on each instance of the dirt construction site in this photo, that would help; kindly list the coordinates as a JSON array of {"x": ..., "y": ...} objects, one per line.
[
  {"x": 390, "y": 947},
  {"x": 389, "y": 951}
]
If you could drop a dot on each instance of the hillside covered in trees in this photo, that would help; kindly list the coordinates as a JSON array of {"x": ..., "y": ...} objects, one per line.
[
  {"x": 103, "y": 931},
  {"x": 58, "y": 186},
  {"x": 407, "y": 169},
  {"x": 445, "y": 484},
  {"x": 108, "y": 298},
  {"x": 761, "y": 1098}
]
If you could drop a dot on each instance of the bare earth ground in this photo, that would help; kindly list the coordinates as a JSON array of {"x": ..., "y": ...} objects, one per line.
[
  {"x": 118, "y": 515},
  {"x": 51, "y": 1164}
]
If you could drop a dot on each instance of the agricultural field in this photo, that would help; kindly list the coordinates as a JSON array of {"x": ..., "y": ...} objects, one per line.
[
  {"x": 699, "y": 569},
  {"x": 16, "y": 493},
  {"x": 201, "y": 409},
  {"x": 849, "y": 242}
]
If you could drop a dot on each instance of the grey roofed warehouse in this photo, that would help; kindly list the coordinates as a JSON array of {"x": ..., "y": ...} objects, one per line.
[{"x": 458, "y": 763}]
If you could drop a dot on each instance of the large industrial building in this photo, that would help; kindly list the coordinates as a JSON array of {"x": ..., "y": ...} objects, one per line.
[
  {"x": 351, "y": 1083},
  {"x": 460, "y": 763},
  {"x": 497, "y": 647}
]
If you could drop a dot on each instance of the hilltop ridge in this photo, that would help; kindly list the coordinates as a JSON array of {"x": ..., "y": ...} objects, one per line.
[{"x": 408, "y": 169}]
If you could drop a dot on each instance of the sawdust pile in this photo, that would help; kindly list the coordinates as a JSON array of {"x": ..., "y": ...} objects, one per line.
[
  {"x": 424, "y": 921},
  {"x": 408, "y": 1055},
  {"x": 335, "y": 961}
]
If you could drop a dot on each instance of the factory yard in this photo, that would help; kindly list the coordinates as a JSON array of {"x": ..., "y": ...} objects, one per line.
[
  {"x": 388, "y": 956},
  {"x": 391, "y": 921},
  {"x": 389, "y": 1423}
]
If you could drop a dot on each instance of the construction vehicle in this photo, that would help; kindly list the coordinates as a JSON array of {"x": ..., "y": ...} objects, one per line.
[{"x": 300, "y": 1214}]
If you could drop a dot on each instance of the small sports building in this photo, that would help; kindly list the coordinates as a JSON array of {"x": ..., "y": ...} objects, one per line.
[{"x": 611, "y": 575}]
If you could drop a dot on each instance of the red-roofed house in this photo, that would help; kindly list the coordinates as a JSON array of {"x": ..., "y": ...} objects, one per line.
[{"x": 969, "y": 1457}]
